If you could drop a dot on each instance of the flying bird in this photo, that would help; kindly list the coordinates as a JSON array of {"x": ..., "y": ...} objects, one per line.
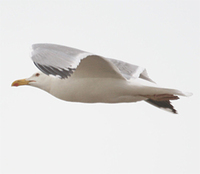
[{"x": 78, "y": 76}]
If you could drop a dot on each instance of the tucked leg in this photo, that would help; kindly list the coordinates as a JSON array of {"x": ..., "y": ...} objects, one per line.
[{"x": 161, "y": 97}]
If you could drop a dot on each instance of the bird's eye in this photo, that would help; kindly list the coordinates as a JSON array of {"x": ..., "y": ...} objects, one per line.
[{"x": 37, "y": 74}]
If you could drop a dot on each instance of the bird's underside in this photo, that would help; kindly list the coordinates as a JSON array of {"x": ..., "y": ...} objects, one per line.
[{"x": 101, "y": 91}]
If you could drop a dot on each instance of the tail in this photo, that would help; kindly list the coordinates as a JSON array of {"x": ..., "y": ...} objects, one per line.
[{"x": 160, "y": 97}]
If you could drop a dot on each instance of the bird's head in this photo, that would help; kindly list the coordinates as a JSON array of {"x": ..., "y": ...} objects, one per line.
[{"x": 38, "y": 79}]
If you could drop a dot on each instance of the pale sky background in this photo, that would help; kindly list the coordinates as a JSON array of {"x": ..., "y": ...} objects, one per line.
[{"x": 42, "y": 134}]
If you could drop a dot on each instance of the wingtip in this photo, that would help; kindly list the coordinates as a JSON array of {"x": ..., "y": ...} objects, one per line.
[
  {"x": 171, "y": 109},
  {"x": 165, "y": 105}
]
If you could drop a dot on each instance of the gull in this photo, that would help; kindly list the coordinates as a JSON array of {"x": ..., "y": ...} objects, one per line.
[{"x": 79, "y": 76}]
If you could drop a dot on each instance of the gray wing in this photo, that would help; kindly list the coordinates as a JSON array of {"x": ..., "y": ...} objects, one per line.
[
  {"x": 62, "y": 61},
  {"x": 130, "y": 71},
  {"x": 56, "y": 60}
]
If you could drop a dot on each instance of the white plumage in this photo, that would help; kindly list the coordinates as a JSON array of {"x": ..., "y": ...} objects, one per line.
[{"x": 74, "y": 75}]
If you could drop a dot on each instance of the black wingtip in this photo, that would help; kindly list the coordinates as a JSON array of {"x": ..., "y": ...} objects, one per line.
[
  {"x": 163, "y": 105},
  {"x": 63, "y": 73}
]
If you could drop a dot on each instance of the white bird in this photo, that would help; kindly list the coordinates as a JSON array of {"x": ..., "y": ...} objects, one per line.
[{"x": 78, "y": 76}]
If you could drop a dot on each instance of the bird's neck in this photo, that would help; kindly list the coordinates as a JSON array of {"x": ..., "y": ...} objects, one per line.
[{"x": 47, "y": 84}]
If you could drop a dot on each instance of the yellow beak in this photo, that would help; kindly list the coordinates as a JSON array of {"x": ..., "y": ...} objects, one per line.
[{"x": 20, "y": 82}]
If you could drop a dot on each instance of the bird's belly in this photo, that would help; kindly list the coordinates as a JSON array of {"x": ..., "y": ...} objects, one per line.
[{"x": 95, "y": 90}]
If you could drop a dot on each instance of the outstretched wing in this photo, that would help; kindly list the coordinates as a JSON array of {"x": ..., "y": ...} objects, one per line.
[{"x": 63, "y": 61}]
